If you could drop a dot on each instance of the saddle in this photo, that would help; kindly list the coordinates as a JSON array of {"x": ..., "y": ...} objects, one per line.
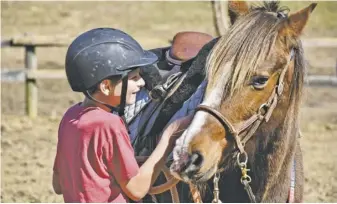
[{"x": 185, "y": 46}]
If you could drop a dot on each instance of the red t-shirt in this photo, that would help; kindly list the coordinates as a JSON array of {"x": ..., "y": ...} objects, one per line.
[{"x": 94, "y": 154}]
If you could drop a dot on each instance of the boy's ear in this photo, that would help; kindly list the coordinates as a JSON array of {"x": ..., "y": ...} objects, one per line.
[
  {"x": 104, "y": 87},
  {"x": 237, "y": 9},
  {"x": 296, "y": 22}
]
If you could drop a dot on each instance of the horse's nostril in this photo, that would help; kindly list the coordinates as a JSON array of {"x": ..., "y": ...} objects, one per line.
[{"x": 196, "y": 159}]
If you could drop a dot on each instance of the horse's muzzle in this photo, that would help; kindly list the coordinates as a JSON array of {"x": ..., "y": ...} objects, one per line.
[{"x": 185, "y": 166}]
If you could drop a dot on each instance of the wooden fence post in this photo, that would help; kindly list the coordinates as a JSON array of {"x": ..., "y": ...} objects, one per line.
[{"x": 31, "y": 86}]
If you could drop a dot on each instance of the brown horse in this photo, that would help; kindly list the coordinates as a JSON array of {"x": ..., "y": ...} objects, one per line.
[{"x": 246, "y": 129}]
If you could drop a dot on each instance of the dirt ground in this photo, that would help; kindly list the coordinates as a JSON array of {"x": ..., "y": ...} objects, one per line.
[{"x": 28, "y": 145}]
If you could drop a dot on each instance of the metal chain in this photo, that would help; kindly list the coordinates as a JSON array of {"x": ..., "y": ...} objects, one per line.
[{"x": 216, "y": 188}]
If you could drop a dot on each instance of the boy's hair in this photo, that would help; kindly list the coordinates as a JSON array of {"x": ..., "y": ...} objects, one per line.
[{"x": 95, "y": 88}]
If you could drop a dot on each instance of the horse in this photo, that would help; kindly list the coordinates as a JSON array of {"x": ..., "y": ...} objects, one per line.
[
  {"x": 245, "y": 133},
  {"x": 242, "y": 66}
]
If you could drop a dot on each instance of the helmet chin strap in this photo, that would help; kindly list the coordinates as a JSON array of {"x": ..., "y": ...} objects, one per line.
[
  {"x": 123, "y": 95},
  {"x": 119, "y": 109}
]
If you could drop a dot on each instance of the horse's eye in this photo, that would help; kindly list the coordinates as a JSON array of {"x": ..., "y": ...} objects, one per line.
[{"x": 259, "y": 82}]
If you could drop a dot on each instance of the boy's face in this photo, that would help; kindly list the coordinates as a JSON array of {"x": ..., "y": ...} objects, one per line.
[{"x": 135, "y": 83}]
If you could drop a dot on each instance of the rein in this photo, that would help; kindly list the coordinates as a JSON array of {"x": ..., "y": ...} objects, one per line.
[
  {"x": 245, "y": 130},
  {"x": 169, "y": 185}
]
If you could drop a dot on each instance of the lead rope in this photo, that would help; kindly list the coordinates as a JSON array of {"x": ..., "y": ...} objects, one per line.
[{"x": 196, "y": 194}]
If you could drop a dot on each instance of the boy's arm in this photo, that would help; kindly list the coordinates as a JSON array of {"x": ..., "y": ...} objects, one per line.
[
  {"x": 56, "y": 183},
  {"x": 138, "y": 186}
]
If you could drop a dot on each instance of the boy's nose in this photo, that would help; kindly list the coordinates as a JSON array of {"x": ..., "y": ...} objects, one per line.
[{"x": 141, "y": 82}]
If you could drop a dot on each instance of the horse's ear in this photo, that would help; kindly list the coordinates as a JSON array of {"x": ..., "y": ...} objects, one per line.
[
  {"x": 297, "y": 21},
  {"x": 236, "y": 9}
]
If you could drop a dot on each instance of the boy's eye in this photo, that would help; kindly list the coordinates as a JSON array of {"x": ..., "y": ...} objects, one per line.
[{"x": 135, "y": 77}]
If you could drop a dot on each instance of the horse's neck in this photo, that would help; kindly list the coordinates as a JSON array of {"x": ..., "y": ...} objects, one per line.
[
  {"x": 272, "y": 168},
  {"x": 270, "y": 165}
]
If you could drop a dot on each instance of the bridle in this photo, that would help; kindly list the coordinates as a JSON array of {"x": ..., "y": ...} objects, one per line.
[{"x": 243, "y": 131}]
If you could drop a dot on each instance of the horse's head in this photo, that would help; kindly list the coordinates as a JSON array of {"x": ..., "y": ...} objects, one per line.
[{"x": 255, "y": 75}]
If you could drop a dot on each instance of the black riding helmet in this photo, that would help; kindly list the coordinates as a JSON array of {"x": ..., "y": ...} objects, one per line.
[{"x": 101, "y": 53}]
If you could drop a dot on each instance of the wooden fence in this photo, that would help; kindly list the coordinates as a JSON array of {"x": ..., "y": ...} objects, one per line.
[{"x": 30, "y": 74}]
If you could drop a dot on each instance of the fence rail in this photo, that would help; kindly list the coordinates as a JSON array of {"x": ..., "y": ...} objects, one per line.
[
  {"x": 31, "y": 73},
  {"x": 11, "y": 75},
  {"x": 21, "y": 75},
  {"x": 320, "y": 42}
]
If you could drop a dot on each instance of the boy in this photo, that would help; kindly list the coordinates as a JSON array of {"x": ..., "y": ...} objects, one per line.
[{"x": 95, "y": 161}]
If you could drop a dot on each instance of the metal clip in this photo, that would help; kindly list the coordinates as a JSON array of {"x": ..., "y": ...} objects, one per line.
[
  {"x": 245, "y": 176},
  {"x": 243, "y": 167}
]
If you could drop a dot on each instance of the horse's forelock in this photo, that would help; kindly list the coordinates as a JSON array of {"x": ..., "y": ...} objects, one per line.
[{"x": 247, "y": 43}]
